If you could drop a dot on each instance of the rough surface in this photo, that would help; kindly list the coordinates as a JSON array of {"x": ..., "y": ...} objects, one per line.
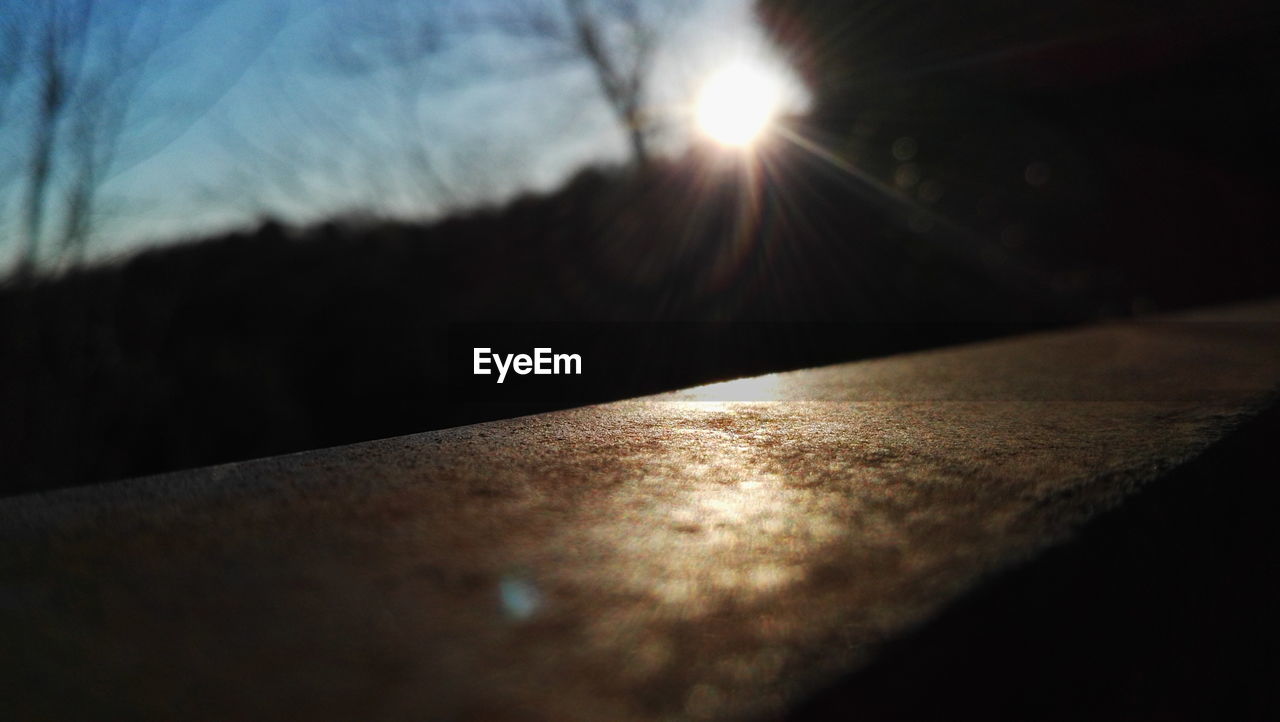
[{"x": 690, "y": 555}]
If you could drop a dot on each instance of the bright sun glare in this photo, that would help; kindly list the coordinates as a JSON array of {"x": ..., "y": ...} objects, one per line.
[{"x": 737, "y": 104}]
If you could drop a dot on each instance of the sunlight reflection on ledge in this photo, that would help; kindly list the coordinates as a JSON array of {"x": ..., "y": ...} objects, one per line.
[
  {"x": 769, "y": 387},
  {"x": 732, "y": 529}
]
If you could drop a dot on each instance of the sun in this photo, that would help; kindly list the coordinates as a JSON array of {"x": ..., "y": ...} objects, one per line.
[{"x": 737, "y": 105}]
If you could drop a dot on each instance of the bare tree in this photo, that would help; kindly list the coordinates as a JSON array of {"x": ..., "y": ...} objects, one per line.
[
  {"x": 357, "y": 136},
  {"x": 373, "y": 143},
  {"x": 617, "y": 39},
  {"x": 70, "y": 76},
  {"x": 13, "y": 41},
  {"x": 393, "y": 40},
  {"x": 13, "y": 51}
]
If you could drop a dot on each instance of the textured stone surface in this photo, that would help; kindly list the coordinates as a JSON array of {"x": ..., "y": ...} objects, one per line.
[{"x": 692, "y": 555}]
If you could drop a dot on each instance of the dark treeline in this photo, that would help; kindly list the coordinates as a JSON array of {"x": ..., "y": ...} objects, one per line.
[
  {"x": 277, "y": 340},
  {"x": 938, "y": 206}
]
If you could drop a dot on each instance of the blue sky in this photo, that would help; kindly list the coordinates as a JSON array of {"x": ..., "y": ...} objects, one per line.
[{"x": 247, "y": 116}]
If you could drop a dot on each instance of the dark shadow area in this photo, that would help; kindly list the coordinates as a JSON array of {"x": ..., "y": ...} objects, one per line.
[{"x": 1164, "y": 609}]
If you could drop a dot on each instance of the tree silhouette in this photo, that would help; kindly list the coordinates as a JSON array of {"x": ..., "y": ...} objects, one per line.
[
  {"x": 616, "y": 39},
  {"x": 71, "y": 76}
]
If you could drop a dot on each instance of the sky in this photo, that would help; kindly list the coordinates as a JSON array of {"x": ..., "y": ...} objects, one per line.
[{"x": 251, "y": 112}]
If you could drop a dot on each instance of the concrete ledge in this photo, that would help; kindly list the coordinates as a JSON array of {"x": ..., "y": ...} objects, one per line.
[{"x": 690, "y": 555}]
